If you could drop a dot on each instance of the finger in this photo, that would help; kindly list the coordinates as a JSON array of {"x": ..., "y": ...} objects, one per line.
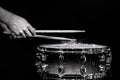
[
  {"x": 5, "y": 28},
  {"x": 20, "y": 37},
  {"x": 27, "y": 32},
  {"x": 7, "y": 31},
  {"x": 32, "y": 30},
  {"x": 14, "y": 30},
  {"x": 13, "y": 36},
  {"x": 22, "y": 34}
]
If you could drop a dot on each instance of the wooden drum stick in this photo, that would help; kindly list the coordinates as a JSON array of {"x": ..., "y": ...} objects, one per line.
[
  {"x": 59, "y": 31},
  {"x": 53, "y": 37}
]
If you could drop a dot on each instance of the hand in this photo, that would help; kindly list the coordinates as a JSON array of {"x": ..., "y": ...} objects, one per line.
[
  {"x": 20, "y": 27},
  {"x": 17, "y": 25}
]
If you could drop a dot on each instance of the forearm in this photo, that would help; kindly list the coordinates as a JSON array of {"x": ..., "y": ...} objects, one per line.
[{"x": 4, "y": 14}]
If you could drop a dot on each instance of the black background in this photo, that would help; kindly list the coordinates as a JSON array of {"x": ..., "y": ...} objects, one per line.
[{"x": 98, "y": 17}]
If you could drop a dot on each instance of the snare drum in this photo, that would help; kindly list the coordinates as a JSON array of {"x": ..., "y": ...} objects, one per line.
[{"x": 73, "y": 61}]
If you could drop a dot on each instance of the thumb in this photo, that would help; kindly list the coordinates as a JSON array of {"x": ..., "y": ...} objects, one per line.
[{"x": 5, "y": 28}]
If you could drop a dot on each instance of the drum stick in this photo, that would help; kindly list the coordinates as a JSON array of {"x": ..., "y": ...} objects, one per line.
[
  {"x": 53, "y": 37},
  {"x": 49, "y": 37},
  {"x": 59, "y": 31}
]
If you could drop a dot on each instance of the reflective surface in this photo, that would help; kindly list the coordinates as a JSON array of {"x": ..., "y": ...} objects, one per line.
[{"x": 74, "y": 65}]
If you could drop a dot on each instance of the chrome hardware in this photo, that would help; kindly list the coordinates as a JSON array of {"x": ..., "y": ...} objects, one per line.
[
  {"x": 42, "y": 50},
  {"x": 61, "y": 57},
  {"x": 43, "y": 57},
  {"x": 108, "y": 60},
  {"x": 99, "y": 75},
  {"x": 44, "y": 67},
  {"x": 61, "y": 69},
  {"x": 38, "y": 65},
  {"x": 102, "y": 68},
  {"x": 89, "y": 76},
  {"x": 37, "y": 54},
  {"x": 83, "y": 57},
  {"x": 102, "y": 58},
  {"x": 39, "y": 57},
  {"x": 83, "y": 70}
]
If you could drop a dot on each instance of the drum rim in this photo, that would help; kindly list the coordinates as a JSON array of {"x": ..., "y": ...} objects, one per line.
[{"x": 79, "y": 76}]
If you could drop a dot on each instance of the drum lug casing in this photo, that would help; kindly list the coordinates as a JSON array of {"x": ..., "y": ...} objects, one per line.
[{"x": 61, "y": 69}]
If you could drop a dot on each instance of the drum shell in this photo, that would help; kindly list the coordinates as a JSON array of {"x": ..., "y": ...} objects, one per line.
[{"x": 72, "y": 61}]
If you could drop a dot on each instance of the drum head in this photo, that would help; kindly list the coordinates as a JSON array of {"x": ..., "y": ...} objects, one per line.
[{"x": 72, "y": 46}]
